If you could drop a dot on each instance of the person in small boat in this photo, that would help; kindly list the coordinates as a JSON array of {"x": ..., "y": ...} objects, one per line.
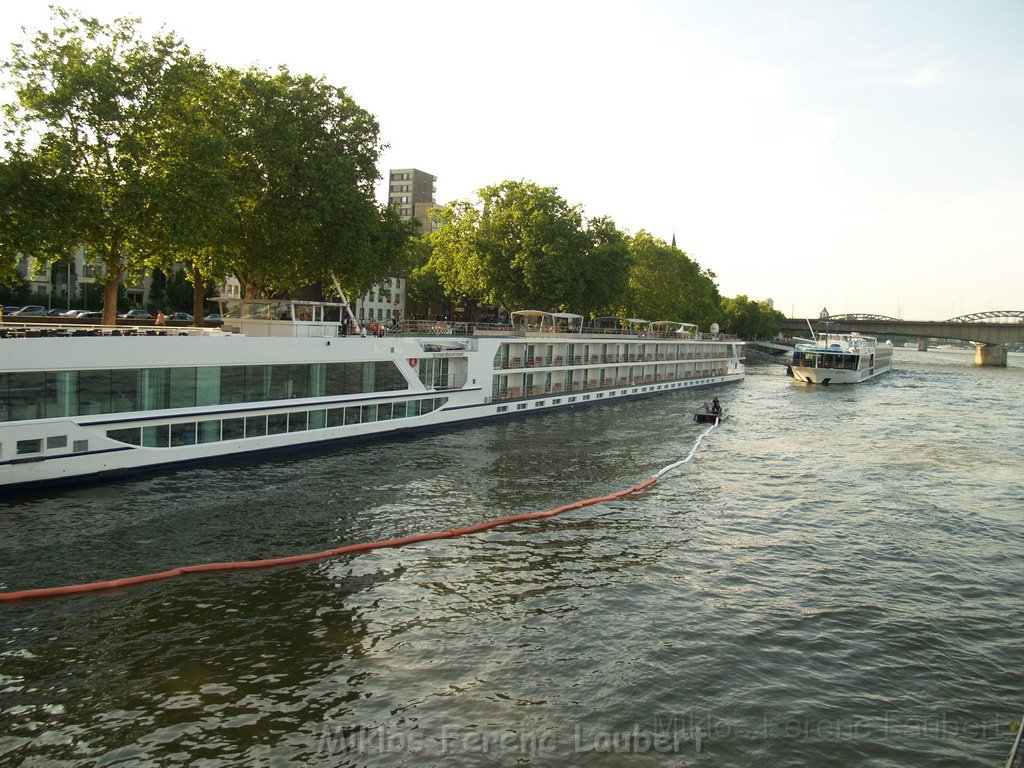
[{"x": 716, "y": 407}]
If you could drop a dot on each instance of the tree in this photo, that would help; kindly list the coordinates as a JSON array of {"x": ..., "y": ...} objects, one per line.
[
  {"x": 666, "y": 284},
  {"x": 750, "y": 319},
  {"x": 423, "y": 285},
  {"x": 607, "y": 268},
  {"x": 91, "y": 120},
  {"x": 39, "y": 214},
  {"x": 303, "y": 163},
  {"x": 522, "y": 245}
]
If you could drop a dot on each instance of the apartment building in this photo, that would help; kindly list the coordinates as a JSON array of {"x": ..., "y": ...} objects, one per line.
[{"x": 411, "y": 192}]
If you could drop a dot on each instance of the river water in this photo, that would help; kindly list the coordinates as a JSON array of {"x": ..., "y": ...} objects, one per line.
[{"x": 833, "y": 580}]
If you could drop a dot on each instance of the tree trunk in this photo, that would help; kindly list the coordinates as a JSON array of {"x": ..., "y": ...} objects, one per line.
[{"x": 110, "y": 300}]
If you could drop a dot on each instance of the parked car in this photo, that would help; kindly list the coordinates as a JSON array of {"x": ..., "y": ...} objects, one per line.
[
  {"x": 72, "y": 312},
  {"x": 184, "y": 316},
  {"x": 31, "y": 309},
  {"x": 90, "y": 315},
  {"x": 10, "y": 310},
  {"x": 137, "y": 314},
  {"x": 57, "y": 312},
  {"x": 213, "y": 317}
]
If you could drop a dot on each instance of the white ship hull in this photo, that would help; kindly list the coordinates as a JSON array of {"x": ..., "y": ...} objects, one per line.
[{"x": 435, "y": 381}]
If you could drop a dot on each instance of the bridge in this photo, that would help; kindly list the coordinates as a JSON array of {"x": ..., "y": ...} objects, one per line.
[{"x": 991, "y": 330}]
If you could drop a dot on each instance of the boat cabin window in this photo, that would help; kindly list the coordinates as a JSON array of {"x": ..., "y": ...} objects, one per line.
[
  {"x": 79, "y": 393},
  {"x": 837, "y": 360}
]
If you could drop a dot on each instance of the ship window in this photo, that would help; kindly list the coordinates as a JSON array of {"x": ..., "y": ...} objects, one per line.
[
  {"x": 57, "y": 441},
  {"x": 277, "y": 424},
  {"x": 183, "y": 434},
  {"x": 257, "y": 383},
  {"x": 317, "y": 419},
  {"x": 132, "y": 436},
  {"x": 572, "y": 399},
  {"x": 502, "y": 408},
  {"x": 352, "y": 415},
  {"x": 255, "y": 426},
  {"x": 233, "y": 429},
  {"x": 232, "y": 385},
  {"x": 412, "y": 408},
  {"x": 29, "y": 446},
  {"x": 288, "y": 381},
  {"x": 586, "y": 397},
  {"x": 209, "y": 431},
  {"x": 155, "y": 389},
  {"x": 369, "y": 413},
  {"x": 539, "y": 403},
  {"x": 317, "y": 380},
  {"x": 23, "y": 395},
  {"x": 383, "y": 411},
  {"x": 93, "y": 392},
  {"x": 183, "y": 387},
  {"x": 335, "y": 417},
  {"x": 521, "y": 406},
  {"x": 124, "y": 390},
  {"x": 297, "y": 421},
  {"x": 208, "y": 385},
  {"x": 156, "y": 437},
  {"x": 557, "y": 401},
  {"x": 61, "y": 394},
  {"x": 80, "y": 446}
]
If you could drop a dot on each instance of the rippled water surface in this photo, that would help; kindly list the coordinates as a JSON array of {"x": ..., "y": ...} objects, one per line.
[{"x": 834, "y": 580}]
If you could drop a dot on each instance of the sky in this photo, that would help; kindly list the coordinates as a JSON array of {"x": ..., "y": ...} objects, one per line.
[{"x": 842, "y": 154}]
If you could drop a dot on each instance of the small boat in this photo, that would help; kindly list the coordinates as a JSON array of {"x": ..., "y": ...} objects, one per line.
[{"x": 709, "y": 415}]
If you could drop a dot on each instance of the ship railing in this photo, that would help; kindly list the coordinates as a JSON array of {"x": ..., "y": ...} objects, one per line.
[{"x": 39, "y": 331}]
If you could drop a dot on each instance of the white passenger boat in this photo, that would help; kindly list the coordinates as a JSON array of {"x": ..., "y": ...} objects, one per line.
[
  {"x": 841, "y": 359},
  {"x": 81, "y": 403}
]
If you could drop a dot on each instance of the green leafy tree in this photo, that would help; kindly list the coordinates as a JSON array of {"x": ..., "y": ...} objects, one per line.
[
  {"x": 423, "y": 285},
  {"x": 94, "y": 109},
  {"x": 301, "y": 209},
  {"x": 750, "y": 319},
  {"x": 39, "y": 212},
  {"x": 179, "y": 293},
  {"x": 666, "y": 284},
  {"x": 522, "y": 245},
  {"x": 607, "y": 267}
]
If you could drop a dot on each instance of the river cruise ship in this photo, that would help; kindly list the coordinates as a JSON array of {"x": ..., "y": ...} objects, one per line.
[
  {"x": 841, "y": 359},
  {"x": 84, "y": 402}
]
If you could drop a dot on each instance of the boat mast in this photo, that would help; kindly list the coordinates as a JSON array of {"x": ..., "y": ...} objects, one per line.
[{"x": 344, "y": 302}]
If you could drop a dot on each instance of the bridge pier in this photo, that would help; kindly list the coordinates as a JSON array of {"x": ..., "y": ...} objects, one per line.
[
  {"x": 990, "y": 354},
  {"x": 922, "y": 344}
]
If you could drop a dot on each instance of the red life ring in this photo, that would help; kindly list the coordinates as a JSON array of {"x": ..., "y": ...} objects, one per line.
[{"x": 413, "y": 361}]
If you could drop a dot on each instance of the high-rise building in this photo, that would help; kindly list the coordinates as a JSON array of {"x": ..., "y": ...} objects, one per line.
[{"x": 411, "y": 192}]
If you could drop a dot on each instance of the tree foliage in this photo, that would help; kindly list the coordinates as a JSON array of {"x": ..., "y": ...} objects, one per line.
[
  {"x": 302, "y": 162},
  {"x": 422, "y": 283},
  {"x": 146, "y": 155},
  {"x": 666, "y": 284},
  {"x": 85, "y": 135},
  {"x": 750, "y": 319},
  {"x": 522, "y": 245}
]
